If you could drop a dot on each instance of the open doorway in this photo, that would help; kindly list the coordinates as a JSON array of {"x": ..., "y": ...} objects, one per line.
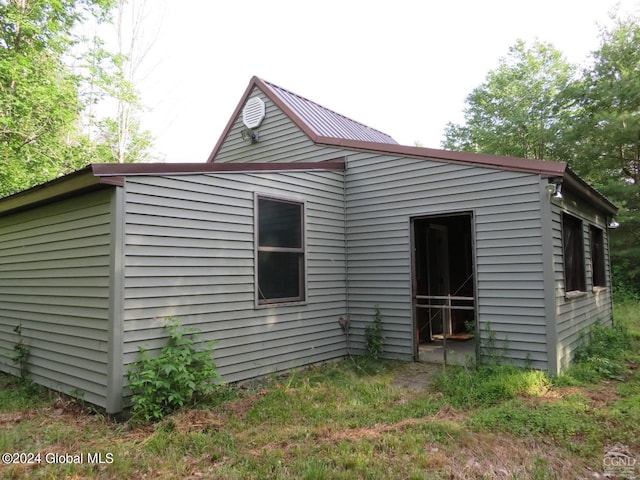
[{"x": 444, "y": 288}]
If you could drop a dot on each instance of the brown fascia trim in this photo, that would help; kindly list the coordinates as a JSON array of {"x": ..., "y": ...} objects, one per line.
[
  {"x": 542, "y": 167},
  {"x": 546, "y": 169},
  {"x": 116, "y": 170},
  {"x": 81, "y": 181},
  {"x": 105, "y": 175}
]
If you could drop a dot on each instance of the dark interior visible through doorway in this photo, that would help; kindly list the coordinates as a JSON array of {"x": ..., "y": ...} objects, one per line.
[{"x": 443, "y": 282}]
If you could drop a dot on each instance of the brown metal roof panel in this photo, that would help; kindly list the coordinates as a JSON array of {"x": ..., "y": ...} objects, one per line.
[{"x": 327, "y": 123}]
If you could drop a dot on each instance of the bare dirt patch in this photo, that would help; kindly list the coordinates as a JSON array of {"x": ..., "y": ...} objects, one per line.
[{"x": 416, "y": 376}]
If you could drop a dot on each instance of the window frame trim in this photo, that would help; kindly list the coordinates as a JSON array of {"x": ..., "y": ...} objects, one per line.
[
  {"x": 258, "y": 304},
  {"x": 572, "y": 294},
  {"x": 601, "y": 231}
]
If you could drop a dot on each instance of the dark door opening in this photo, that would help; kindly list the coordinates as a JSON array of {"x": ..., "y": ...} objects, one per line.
[{"x": 443, "y": 285}]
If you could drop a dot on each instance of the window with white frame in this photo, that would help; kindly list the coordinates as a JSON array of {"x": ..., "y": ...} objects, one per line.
[
  {"x": 280, "y": 250},
  {"x": 573, "y": 251}
]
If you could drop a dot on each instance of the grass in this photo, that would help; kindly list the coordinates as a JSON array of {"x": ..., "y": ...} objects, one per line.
[{"x": 355, "y": 421}]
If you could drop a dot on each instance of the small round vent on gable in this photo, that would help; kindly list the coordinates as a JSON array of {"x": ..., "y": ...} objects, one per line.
[{"x": 253, "y": 113}]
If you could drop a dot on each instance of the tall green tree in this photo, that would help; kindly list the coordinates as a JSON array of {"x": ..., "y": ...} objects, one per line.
[
  {"x": 113, "y": 77},
  {"x": 516, "y": 111},
  {"x": 607, "y": 132},
  {"x": 536, "y": 105},
  {"x": 606, "y": 137},
  {"x": 39, "y": 102}
]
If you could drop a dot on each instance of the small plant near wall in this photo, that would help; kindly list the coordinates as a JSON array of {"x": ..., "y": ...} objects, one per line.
[
  {"x": 373, "y": 335},
  {"x": 21, "y": 355},
  {"x": 490, "y": 353},
  {"x": 179, "y": 376}
]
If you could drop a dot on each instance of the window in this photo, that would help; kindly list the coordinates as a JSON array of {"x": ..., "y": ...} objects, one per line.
[
  {"x": 597, "y": 257},
  {"x": 573, "y": 249},
  {"x": 280, "y": 251}
]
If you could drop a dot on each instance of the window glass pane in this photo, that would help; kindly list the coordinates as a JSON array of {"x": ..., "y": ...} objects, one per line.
[
  {"x": 279, "y": 224},
  {"x": 573, "y": 251},
  {"x": 279, "y": 276},
  {"x": 597, "y": 258}
]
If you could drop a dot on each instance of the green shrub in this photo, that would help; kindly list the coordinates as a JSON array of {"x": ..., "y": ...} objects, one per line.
[
  {"x": 374, "y": 340},
  {"x": 491, "y": 354},
  {"x": 179, "y": 376},
  {"x": 21, "y": 355},
  {"x": 604, "y": 342},
  {"x": 601, "y": 354}
]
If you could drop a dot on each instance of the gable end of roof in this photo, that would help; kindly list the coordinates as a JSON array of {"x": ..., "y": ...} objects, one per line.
[{"x": 316, "y": 121}]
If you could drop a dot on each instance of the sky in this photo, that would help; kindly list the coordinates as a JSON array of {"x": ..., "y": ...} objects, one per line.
[{"x": 404, "y": 67}]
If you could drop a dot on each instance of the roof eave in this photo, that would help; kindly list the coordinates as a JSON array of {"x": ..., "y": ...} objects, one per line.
[
  {"x": 545, "y": 168},
  {"x": 575, "y": 184},
  {"x": 104, "y": 175},
  {"x": 83, "y": 180},
  {"x": 111, "y": 170}
]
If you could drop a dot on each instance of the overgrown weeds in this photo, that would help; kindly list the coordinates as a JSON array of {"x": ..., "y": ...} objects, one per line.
[
  {"x": 341, "y": 421},
  {"x": 179, "y": 376},
  {"x": 374, "y": 336},
  {"x": 487, "y": 385},
  {"x": 16, "y": 395},
  {"x": 21, "y": 354},
  {"x": 605, "y": 352},
  {"x": 530, "y": 404}
]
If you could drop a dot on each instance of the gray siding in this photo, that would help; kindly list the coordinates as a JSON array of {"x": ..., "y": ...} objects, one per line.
[
  {"x": 575, "y": 316},
  {"x": 189, "y": 254},
  {"x": 280, "y": 140},
  {"x": 383, "y": 193},
  {"x": 54, "y": 281}
]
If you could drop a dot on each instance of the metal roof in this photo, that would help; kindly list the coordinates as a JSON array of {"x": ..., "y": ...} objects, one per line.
[
  {"x": 326, "y": 127},
  {"x": 323, "y": 127},
  {"x": 327, "y": 123}
]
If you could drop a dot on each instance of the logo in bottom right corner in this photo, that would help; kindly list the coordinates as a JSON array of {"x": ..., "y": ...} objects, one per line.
[{"x": 619, "y": 462}]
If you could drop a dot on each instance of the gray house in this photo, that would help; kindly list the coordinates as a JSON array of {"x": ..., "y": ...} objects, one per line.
[{"x": 300, "y": 216}]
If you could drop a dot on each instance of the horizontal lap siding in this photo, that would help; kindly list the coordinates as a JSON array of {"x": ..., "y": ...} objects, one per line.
[
  {"x": 575, "y": 316},
  {"x": 279, "y": 140},
  {"x": 190, "y": 254},
  {"x": 54, "y": 281},
  {"x": 385, "y": 192}
]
